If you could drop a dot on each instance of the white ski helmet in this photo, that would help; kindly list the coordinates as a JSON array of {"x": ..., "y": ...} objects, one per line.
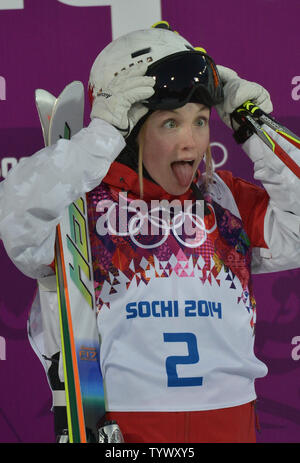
[
  {"x": 168, "y": 55},
  {"x": 149, "y": 46}
]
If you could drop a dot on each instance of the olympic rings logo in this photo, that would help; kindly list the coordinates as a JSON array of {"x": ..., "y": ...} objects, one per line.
[{"x": 224, "y": 151}]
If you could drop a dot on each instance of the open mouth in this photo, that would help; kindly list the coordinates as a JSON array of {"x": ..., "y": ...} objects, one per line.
[
  {"x": 183, "y": 171},
  {"x": 184, "y": 162},
  {"x": 189, "y": 162}
]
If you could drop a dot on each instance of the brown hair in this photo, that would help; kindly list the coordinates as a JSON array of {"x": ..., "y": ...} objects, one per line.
[
  {"x": 209, "y": 170},
  {"x": 141, "y": 139}
]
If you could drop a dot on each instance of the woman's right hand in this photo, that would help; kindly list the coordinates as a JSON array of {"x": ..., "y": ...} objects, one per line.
[{"x": 119, "y": 103}]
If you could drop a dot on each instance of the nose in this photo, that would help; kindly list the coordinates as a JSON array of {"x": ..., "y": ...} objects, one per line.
[{"x": 188, "y": 141}]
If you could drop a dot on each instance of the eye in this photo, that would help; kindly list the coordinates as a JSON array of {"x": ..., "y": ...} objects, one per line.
[
  {"x": 201, "y": 122},
  {"x": 170, "y": 124}
]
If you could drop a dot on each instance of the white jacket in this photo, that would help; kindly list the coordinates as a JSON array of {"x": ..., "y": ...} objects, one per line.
[{"x": 37, "y": 191}]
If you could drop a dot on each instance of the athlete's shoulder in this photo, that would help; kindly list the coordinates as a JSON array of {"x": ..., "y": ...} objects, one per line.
[
  {"x": 252, "y": 202},
  {"x": 234, "y": 182}
]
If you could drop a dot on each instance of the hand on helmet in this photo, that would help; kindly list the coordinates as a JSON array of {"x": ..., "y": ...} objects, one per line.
[
  {"x": 119, "y": 103},
  {"x": 237, "y": 91}
]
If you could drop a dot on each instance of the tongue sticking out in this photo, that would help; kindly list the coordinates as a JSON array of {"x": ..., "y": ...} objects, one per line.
[{"x": 183, "y": 171}]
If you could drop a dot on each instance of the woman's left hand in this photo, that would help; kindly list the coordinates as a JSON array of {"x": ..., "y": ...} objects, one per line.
[{"x": 237, "y": 91}]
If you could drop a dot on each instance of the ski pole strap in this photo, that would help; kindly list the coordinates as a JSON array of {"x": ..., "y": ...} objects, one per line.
[
  {"x": 243, "y": 133},
  {"x": 247, "y": 118},
  {"x": 251, "y": 119}
]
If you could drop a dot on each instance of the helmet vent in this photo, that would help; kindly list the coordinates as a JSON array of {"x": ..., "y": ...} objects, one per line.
[{"x": 140, "y": 52}]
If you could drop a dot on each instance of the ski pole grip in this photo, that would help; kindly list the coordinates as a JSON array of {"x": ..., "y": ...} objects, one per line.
[
  {"x": 243, "y": 117},
  {"x": 247, "y": 108}
]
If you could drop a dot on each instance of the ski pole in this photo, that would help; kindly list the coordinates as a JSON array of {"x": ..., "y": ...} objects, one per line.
[{"x": 253, "y": 117}]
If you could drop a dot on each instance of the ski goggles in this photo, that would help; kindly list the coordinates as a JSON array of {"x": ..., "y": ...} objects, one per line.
[{"x": 188, "y": 76}]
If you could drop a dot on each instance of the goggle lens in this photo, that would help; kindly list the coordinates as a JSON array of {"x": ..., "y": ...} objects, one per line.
[{"x": 184, "y": 77}]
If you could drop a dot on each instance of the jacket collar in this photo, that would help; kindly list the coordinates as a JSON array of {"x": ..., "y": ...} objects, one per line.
[{"x": 124, "y": 178}]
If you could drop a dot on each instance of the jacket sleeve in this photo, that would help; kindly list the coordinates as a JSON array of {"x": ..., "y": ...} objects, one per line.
[
  {"x": 36, "y": 192},
  {"x": 271, "y": 213}
]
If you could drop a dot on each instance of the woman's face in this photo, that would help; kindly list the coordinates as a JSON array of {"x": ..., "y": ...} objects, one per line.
[{"x": 175, "y": 142}]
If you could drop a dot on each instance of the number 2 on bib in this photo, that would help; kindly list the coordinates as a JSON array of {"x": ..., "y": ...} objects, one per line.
[{"x": 172, "y": 361}]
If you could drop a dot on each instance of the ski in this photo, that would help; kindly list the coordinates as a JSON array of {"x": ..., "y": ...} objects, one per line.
[
  {"x": 44, "y": 103},
  {"x": 253, "y": 117},
  {"x": 62, "y": 117}
]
